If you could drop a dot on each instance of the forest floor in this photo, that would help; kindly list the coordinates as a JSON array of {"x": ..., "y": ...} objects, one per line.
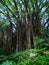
[{"x": 28, "y": 57}]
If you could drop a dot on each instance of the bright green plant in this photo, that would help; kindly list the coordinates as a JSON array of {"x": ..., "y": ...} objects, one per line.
[
  {"x": 42, "y": 60},
  {"x": 38, "y": 40},
  {"x": 28, "y": 57},
  {"x": 8, "y": 63}
]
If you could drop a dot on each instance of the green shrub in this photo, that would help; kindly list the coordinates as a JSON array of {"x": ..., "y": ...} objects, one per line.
[
  {"x": 38, "y": 40},
  {"x": 8, "y": 63},
  {"x": 28, "y": 57},
  {"x": 42, "y": 60}
]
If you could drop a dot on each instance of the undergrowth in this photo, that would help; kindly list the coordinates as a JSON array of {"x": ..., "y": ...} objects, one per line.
[{"x": 28, "y": 57}]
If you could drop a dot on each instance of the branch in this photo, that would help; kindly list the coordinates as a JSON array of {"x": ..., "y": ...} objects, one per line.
[{"x": 8, "y": 8}]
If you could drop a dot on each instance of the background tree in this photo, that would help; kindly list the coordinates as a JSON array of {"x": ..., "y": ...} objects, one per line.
[{"x": 21, "y": 21}]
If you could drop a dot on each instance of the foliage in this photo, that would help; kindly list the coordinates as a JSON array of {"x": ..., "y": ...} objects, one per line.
[
  {"x": 24, "y": 24},
  {"x": 8, "y": 63},
  {"x": 27, "y": 57},
  {"x": 42, "y": 60},
  {"x": 38, "y": 40}
]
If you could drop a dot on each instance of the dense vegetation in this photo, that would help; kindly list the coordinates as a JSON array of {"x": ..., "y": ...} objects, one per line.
[{"x": 24, "y": 32}]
